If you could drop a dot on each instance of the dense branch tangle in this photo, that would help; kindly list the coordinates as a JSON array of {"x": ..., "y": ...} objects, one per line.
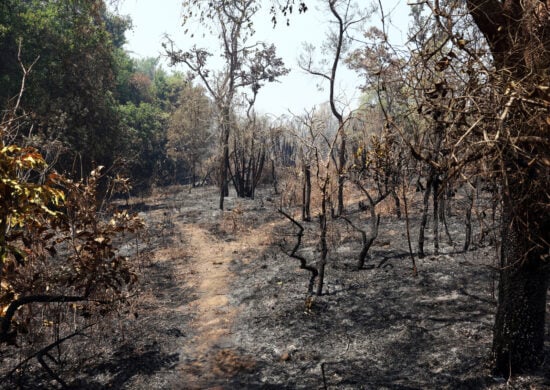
[{"x": 496, "y": 126}]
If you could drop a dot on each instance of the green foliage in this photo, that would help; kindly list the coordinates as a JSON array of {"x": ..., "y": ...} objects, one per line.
[
  {"x": 71, "y": 89},
  {"x": 117, "y": 26},
  {"x": 22, "y": 202},
  {"x": 168, "y": 88},
  {"x": 148, "y": 96},
  {"x": 125, "y": 68},
  {"x": 189, "y": 130},
  {"x": 146, "y": 141}
]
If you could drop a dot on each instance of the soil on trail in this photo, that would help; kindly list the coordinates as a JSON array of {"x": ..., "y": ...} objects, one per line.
[
  {"x": 197, "y": 246},
  {"x": 211, "y": 354}
]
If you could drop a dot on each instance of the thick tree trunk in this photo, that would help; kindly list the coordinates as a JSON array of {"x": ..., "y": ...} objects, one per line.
[
  {"x": 518, "y": 339},
  {"x": 518, "y": 36}
]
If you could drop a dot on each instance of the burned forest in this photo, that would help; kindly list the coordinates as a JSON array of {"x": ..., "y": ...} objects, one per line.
[{"x": 327, "y": 194}]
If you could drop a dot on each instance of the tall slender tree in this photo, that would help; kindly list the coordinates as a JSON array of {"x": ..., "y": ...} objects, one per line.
[
  {"x": 345, "y": 16},
  {"x": 246, "y": 65}
]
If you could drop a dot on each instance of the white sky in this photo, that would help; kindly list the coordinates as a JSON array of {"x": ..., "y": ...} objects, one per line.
[{"x": 296, "y": 91}]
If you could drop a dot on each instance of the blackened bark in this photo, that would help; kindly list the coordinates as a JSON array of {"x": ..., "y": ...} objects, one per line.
[
  {"x": 293, "y": 253},
  {"x": 518, "y": 338},
  {"x": 341, "y": 168},
  {"x": 435, "y": 195},
  {"x": 368, "y": 239},
  {"x": 324, "y": 251},
  {"x": 337, "y": 114},
  {"x": 424, "y": 220},
  {"x": 444, "y": 210},
  {"x": 407, "y": 225},
  {"x": 397, "y": 204},
  {"x": 6, "y": 320},
  {"x": 518, "y": 34},
  {"x": 247, "y": 167},
  {"x": 224, "y": 164},
  {"x": 306, "y": 194},
  {"x": 468, "y": 219},
  {"x": 323, "y": 238}
]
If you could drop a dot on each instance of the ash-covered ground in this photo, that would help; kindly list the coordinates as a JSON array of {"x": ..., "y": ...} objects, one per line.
[
  {"x": 222, "y": 306},
  {"x": 375, "y": 328}
]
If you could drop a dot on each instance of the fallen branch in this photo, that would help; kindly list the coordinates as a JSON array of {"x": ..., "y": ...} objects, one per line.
[
  {"x": 44, "y": 351},
  {"x": 16, "y": 304}
]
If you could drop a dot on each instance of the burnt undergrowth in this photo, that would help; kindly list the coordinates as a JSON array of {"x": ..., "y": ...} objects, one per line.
[{"x": 375, "y": 328}]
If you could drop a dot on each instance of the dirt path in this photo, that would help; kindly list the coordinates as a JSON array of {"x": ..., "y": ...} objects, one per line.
[{"x": 212, "y": 355}]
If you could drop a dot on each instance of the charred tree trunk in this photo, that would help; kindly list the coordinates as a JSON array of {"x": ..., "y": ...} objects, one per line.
[
  {"x": 224, "y": 162},
  {"x": 518, "y": 339},
  {"x": 258, "y": 170},
  {"x": 235, "y": 169},
  {"x": 324, "y": 249},
  {"x": 341, "y": 170},
  {"x": 424, "y": 220},
  {"x": 247, "y": 167},
  {"x": 366, "y": 239},
  {"x": 435, "y": 195},
  {"x": 432, "y": 185},
  {"x": 406, "y": 209},
  {"x": 306, "y": 194},
  {"x": 445, "y": 210},
  {"x": 470, "y": 195},
  {"x": 323, "y": 238},
  {"x": 293, "y": 253},
  {"x": 518, "y": 37}
]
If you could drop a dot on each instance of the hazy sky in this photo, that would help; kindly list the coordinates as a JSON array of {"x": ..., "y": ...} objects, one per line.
[{"x": 296, "y": 91}]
